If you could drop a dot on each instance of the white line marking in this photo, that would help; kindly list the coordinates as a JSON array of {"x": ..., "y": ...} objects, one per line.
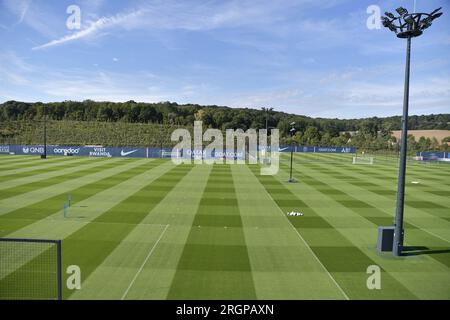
[
  {"x": 307, "y": 246},
  {"x": 143, "y": 264}
]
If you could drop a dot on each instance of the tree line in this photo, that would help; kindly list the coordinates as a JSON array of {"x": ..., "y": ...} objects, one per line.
[{"x": 369, "y": 133}]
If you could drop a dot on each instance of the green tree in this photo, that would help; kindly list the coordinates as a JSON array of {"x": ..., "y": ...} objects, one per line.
[{"x": 312, "y": 136}]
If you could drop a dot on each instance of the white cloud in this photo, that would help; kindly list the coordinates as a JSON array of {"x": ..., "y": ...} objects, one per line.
[
  {"x": 172, "y": 15},
  {"x": 284, "y": 61},
  {"x": 20, "y": 81},
  {"x": 93, "y": 28},
  {"x": 344, "y": 95},
  {"x": 13, "y": 71},
  {"x": 18, "y": 7},
  {"x": 32, "y": 14},
  {"x": 352, "y": 93}
]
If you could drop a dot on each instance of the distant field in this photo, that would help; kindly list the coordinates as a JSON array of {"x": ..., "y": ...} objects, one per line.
[
  {"x": 438, "y": 134},
  {"x": 146, "y": 229}
]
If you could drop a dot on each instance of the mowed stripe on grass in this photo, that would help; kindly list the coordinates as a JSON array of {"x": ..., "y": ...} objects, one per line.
[
  {"x": 417, "y": 202},
  {"x": 64, "y": 228},
  {"x": 107, "y": 178},
  {"x": 70, "y": 182},
  {"x": 215, "y": 263},
  {"x": 90, "y": 246},
  {"x": 87, "y": 210},
  {"x": 8, "y": 161},
  {"x": 36, "y": 167},
  {"x": 346, "y": 263},
  {"x": 48, "y": 178},
  {"x": 283, "y": 266},
  {"x": 366, "y": 203},
  {"x": 56, "y": 227},
  {"x": 418, "y": 271},
  {"x": 263, "y": 259},
  {"x": 150, "y": 253}
]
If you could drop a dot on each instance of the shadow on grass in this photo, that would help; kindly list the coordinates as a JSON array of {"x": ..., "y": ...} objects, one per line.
[{"x": 420, "y": 250}]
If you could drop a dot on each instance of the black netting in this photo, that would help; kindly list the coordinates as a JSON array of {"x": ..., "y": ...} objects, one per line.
[{"x": 28, "y": 269}]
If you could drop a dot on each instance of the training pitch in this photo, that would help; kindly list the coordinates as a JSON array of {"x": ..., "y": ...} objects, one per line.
[{"x": 147, "y": 229}]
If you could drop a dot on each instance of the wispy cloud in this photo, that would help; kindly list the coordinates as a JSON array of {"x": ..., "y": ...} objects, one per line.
[
  {"x": 301, "y": 56},
  {"x": 172, "y": 15},
  {"x": 23, "y": 11},
  {"x": 313, "y": 94},
  {"x": 13, "y": 70},
  {"x": 32, "y": 14},
  {"x": 49, "y": 84},
  {"x": 93, "y": 28},
  {"x": 19, "y": 8}
]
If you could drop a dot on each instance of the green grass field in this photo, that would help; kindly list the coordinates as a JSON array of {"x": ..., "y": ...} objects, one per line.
[{"x": 146, "y": 229}]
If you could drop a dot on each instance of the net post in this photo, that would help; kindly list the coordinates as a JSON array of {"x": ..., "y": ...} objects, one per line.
[{"x": 59, "y": 268}]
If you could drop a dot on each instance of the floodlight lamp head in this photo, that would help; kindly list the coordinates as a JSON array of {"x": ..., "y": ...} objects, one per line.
[
  {"x": 428, "y": 20},
  {"x": 425, "y": 24},
  {"x": 392, "y": 28},
  {"x": 437, "y": 15},
  {"x": 385, "y": 21},
  {"x": 409, "y": 20},
  {"x": 401, "y": 11},
  {"x": 434, "y": 11},
  {"x": 409, "y": 25}
]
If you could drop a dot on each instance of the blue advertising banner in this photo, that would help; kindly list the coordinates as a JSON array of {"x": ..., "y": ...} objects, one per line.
[
  {"x": 319, "y": 149},
  {"x": 80, "y": 151},
  {"x": 4, "y": 149},
  {"x": 431, "y": 155},
  {"x": 130, "y": 152},
  {"x": 192, "y": 154},
  {"x": 115, "y": 152},
  {"x": 26, "y": 150}
]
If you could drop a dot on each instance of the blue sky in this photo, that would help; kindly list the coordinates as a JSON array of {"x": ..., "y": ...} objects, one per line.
[{"x": 310, "y": 57}]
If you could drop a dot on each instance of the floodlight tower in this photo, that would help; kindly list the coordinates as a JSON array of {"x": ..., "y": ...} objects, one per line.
[
  {"x": 406, "y": 26},
  {"x": 292, "y": 132}
]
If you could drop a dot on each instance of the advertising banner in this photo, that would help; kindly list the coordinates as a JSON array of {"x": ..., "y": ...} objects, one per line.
[
  {"x": 4, "y": 149},
  {"x": 130, "y": 152},
  {"x": 80, "y": 151},
  {"x": 431, "y": 155},
  {"x": 319, "y": 149}
]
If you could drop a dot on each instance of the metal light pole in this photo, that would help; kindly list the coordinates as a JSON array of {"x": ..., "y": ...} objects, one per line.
[
  {"x": 292, "y": 131},
  {"x": 44, "y": 155},
  {"x": 267, "y": 119},
  {"x": 405, "y": 26},
  {"x": 398, "y": 231},
  {"x": 267, "y": 110}
]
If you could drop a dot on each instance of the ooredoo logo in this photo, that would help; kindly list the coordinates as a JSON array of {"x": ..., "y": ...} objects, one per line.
[{"x": 66, "y": 150}]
